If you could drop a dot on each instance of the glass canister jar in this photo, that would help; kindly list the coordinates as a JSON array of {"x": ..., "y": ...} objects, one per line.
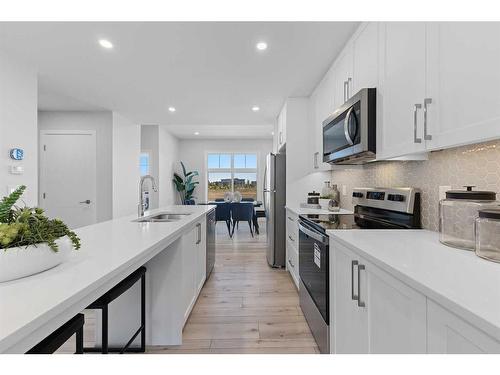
[
  {"x": 457, "y": 214},
  {"x": 488, "y": 234}
]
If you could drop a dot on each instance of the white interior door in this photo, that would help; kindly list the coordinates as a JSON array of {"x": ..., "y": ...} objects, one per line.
[{"x": 68, "y": 176}]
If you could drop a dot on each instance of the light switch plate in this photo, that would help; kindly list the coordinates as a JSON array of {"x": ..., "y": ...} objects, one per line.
[
  {"x": 443, "y": 190},
  {"x": 16, "y": 169}
]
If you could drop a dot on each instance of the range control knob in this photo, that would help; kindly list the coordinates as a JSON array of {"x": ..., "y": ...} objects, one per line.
[
  {"x": 396, "y": 197},
  {"x": 357, "y": 194}
]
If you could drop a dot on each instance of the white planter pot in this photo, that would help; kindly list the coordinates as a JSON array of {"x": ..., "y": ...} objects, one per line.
[
  {"x": 324, "y": 203},
  {"x": 17, "y": 262}
]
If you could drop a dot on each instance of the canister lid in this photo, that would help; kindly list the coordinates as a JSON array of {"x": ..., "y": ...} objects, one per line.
[
  {"x": 474, "y": 195},
  {"x": 492, "y": 213}
]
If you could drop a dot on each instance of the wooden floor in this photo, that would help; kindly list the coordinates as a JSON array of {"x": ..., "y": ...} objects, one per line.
[{"x": 244, "y": 307}]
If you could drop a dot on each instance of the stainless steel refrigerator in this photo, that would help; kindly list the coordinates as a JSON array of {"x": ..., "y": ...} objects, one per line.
[{"x": 274, "y": 206}]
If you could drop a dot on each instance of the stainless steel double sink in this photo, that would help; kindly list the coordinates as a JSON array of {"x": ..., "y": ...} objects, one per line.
[{"x": 162, "y": 217}]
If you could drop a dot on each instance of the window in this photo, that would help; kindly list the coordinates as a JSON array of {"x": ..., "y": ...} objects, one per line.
[
  {"x": 232, "y": 172},
  {"x": 144, "y": 163}
]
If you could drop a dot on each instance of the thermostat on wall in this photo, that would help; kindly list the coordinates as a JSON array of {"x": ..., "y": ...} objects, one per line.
[{"x": 16, "y": 153}]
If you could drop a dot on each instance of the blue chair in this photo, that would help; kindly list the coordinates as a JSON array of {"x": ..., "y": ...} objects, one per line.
[
  {"x": 223, "y": 213},
  {"x": 242, "y": 212}
]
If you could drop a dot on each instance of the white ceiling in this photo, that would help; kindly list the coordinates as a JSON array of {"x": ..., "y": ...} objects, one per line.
[{"x": 210, "y": 72}]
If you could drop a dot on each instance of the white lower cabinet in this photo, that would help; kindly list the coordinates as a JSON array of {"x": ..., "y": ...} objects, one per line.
[
  {"x": 193, "y": 266},
  {"x": 372, "y": 311},
  {"x": 447, "y": 333},
  {"x": 292, "y": 245}
]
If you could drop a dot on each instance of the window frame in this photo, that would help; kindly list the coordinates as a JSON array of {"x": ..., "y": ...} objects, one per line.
[{"x": 232, "y": 171}]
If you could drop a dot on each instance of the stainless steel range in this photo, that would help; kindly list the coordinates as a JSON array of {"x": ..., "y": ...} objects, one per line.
[{"x": 374, "y": 208}]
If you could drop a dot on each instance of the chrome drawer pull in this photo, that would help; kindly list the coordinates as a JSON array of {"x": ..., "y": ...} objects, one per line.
[
  {"x": 353, "y": 296},
  {"x": 360, "y": 268}
]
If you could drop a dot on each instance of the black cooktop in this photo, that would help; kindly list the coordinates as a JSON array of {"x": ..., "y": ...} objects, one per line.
[{"x": 332, "y": 221}]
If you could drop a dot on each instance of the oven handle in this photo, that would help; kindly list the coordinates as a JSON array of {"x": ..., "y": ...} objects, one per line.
[{"x": 312, "y": 234}]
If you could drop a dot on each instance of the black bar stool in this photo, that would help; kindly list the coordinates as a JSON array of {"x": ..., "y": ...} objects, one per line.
[
  {"x": 57, "y": 338},
  {"x": 102, "y": 304}
]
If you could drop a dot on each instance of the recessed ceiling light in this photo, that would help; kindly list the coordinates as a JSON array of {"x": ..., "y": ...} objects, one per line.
[
  {"x": 171, "y": 109},
  {"x": 272, "y": 133},
  {"x": 256, "y": 108},
  {"x": 105, "y": 43},
  {"x": 261, "y": 46},
  {"x": 196, "y": 133}
]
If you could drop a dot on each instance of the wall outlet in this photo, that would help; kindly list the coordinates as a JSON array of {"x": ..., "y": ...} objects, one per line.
[
  {"x": 442, "y": 191},
  {"x": 344, "y": 190}
]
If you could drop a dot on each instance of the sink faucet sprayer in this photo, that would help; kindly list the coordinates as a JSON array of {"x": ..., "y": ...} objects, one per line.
[{"x": 141, "y": 186}]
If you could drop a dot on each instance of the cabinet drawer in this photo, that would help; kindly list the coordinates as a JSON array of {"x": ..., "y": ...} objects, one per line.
[
  {"x": 292, "y": 261},
  {"x": 292, "y": 228}
]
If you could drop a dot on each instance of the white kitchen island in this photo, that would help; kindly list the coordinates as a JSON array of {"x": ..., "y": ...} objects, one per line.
[{"x": 33, "y": 307}]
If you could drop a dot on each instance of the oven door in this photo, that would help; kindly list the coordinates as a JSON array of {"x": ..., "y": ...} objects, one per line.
[{"x": 313, "y": 266}]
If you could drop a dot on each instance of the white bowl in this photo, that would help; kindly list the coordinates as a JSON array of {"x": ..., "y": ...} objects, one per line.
[{"x": 17, "y": 262}]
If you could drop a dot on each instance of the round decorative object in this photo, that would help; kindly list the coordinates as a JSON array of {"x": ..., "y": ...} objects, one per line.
[
  {"x": 228, "y": 197},
  {"x": 18, "y": 262},
  {"x": 237, "y": 196}
]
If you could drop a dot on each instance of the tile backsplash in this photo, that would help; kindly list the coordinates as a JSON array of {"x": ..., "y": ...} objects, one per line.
[{"x": 477, "y": 165}]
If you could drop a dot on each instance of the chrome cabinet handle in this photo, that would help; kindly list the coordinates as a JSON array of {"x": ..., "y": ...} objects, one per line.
[
  {"x": 427, "y": 136},
  {"x": 289, "y": 261},
  {"x": 289, "y": 218},
  {"x": 86, "y": 201},
  {"x": 361, "y": 267},
  {"x": 353, "y": 296},
  {"x": 199, "y": 234},
  {"x": 416, "y": 107},
  {"x": 281, "y": 137},
  {"x": 349, "y": 80},
  {"x": 291, "y": 239},
  {"x": 345, "y": 91},
  {"x": 316, "y": 164}
]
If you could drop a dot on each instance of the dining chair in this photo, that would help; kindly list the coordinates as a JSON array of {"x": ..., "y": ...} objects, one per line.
[
  {"x": 242, "y": 212},
  {"x": 247, "y": 200},
  {"x": 223, "y": 213}
]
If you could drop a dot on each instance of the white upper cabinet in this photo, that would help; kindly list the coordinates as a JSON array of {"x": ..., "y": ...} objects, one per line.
[
  {"x": 401, "y": 89},
  {"x": 321, "y": 105},
  {"x": 365, "y": 52},
  {"x": 343, "y": 79},
  {"x": 463, "y": 80},
  {"x": 281, "y": 136}
]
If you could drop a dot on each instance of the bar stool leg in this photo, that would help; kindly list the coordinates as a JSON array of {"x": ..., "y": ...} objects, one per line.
[
  {"x": 105, "y": 330},
  {"x": 143, "y": 312},
  {"x": 79, "y": 341}
]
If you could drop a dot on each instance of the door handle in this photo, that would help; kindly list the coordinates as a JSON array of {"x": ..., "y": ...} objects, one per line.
[
  {"x": 416, "y": 107},
  {"x": 199, "y": 233},
  {"x": 427, "y": 136},
  {"x": 353, "y": 296},
  {"x": 361, "y": 267},
  {"x": 86, "y": 201}
]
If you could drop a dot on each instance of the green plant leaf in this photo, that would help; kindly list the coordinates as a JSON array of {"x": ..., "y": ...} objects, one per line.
[{"x": 183, "y": 169}]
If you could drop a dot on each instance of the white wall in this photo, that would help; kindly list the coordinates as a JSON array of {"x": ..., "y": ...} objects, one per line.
[
  {"x": 168, "y": 158},
  {"x": 150, "y": 143},
  {"x": 193, "y": 154},
  {"x": 163, "y": 148},
  {"x": 18, "y": 126},
  {"x": 126, "y": 175},
  {"x": 102, "y": 123}
]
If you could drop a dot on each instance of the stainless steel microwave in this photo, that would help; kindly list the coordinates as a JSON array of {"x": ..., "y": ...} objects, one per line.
[{"x": 349, "y": 134}]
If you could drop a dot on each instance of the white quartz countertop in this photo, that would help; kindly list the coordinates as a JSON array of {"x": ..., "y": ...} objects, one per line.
[
  {"x": 457, "y": 279},
  {"x": 108, "y": 249},
  {"x": 316, "y": 211}
]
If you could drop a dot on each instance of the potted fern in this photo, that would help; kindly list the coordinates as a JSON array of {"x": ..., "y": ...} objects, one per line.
[
  {"x": 29, "y": 241},
  {"x": 185, "y": 185}
]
